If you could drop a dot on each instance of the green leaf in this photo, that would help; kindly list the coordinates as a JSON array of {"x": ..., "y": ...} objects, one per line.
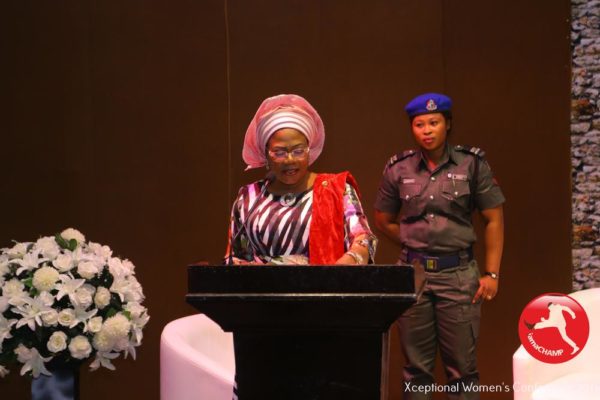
[
  {"x": 28, "y": 282},
  {"x": 72, "y": 244},
  {"x": 60, "y": 241},
  {"x": 127, "y": 314},
  {"x": 111, "y": 313}
]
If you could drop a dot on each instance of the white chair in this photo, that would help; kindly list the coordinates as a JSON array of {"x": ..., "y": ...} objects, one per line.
[
  {"x": 196, "y": 360},
  {"x": 578, "y": 378}
]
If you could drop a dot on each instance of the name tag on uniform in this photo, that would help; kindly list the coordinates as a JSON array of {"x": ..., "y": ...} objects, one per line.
[
  {"x": 458, "y": 177},
  {"x": 408, "y": 180}
]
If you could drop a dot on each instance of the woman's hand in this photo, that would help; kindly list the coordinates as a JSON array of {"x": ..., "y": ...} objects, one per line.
[
  {"x": 346, "y": 260},
  {"x": 241, "y": 261},
  {"x": 357, "y": 254}
]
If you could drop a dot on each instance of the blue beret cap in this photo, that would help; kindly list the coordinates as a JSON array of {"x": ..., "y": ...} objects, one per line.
[{"x": 428, "y": 103}]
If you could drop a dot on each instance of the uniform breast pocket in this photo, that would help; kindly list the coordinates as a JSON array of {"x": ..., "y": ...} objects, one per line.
[
  {"x": 411, "y": 200},
  {"x": 458, "y": 193}
]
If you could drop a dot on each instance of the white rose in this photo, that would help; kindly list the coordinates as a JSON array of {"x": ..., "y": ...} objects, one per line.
[
  {"x": 50, "y": 318},
  {"x": 66, "y": 317},
  {"x": 102, "y": 297},
  {"x": 4, "y": 265},
  {"x": 90, "y": 288},
  {"x": 71, "y": 233},
  {"x": 48, "y": 247},
  {"x": 98, "y": 261},
  {"x": 45, "y": 278},
  {"x": 134, "y": 291},
  {"x": 117, "y": 327},
  {"x": 95, "y": 324},
  {"x": 13, "y": 288},
  {"x": 46, "y": 298},
  {"x": 3, "y": 304},
  {"x": 115, "y": 266},
  {"x": 4, "y": 270},
  {"x": 83, "y": 298},
  {"x": 87, "y": 269},
  {"x": 80, "y": 347},
  {"x": 99, "y": 250},
  {"x": 128, "y": 267},
  {"x": 57, "y": 342},
  {"x": 18, "y": 250},
  {"x": 135, "y": 309},
  {"x": 63, "y": 262}
]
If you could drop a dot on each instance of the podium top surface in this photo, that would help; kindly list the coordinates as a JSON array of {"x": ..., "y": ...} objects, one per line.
[
  {"x": 295, "y": 298},
  {"x": 279, "y": 279}
]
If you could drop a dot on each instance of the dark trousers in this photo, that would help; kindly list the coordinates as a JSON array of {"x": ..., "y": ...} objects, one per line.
[{"x": 445, "y": 317}]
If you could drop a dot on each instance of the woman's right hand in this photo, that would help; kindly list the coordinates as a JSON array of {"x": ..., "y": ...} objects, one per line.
[{"x": 241, "y": 261}]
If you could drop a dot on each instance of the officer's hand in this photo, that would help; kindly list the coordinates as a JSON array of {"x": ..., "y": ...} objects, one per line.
[{"x": 488, "y": 287}]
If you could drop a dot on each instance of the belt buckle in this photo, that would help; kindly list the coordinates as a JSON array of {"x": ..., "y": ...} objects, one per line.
[{"x": 431, "y": 263}]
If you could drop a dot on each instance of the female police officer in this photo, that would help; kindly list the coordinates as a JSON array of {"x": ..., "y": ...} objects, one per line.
[{"x": 424, "y": 204}]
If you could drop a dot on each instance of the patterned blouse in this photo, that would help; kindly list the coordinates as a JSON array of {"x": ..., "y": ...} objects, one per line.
[{"x": 271, "y": 228}]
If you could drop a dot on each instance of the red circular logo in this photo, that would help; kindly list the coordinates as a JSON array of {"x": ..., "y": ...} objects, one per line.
[{"x": 553, "y": 328}]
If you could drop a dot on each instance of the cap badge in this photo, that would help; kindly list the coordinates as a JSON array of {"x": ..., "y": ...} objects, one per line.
[{"x": 430, "y": 105}]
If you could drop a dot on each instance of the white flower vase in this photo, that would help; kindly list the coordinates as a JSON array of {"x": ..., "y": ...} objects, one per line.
[
  {"x": 62, "y": 385},
  {"x": 64, "y": 301}
]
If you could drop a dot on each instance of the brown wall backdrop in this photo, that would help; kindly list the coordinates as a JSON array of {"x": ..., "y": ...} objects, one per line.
[{"x": 126, "y": 120}]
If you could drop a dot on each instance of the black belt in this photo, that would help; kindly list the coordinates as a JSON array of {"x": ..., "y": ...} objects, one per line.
[{"x": 435, "y": 262}]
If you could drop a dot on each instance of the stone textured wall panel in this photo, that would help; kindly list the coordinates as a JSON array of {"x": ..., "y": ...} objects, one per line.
[{"x": 585, "y": 142}]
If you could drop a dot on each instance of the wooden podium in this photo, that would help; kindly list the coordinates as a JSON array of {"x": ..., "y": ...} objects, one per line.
[{"x": 305, "y": 332}]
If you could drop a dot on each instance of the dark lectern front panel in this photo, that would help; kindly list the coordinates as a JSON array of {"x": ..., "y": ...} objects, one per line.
[{"x": 304, "y": 332}]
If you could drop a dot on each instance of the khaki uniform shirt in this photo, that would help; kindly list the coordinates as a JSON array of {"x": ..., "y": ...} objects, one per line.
[{"x": 434, "y": 207}]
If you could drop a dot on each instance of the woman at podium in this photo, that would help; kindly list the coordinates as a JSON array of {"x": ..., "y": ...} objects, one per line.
[{"x": 294, "y": 215}]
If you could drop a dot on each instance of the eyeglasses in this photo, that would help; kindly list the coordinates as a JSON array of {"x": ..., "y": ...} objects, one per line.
[{"x": 297, "y": 153}]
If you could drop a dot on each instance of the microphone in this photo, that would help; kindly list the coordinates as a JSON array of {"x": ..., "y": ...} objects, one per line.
[{"x": 269, "y": 179}]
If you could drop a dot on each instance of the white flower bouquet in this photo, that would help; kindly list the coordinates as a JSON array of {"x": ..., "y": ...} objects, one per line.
[{"x": 63, "y": 300}]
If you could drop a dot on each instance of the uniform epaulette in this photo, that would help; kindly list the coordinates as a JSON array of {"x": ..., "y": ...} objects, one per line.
[
  {"x": 400, "y": 156},
  {"x": 476, "y": 151}
]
